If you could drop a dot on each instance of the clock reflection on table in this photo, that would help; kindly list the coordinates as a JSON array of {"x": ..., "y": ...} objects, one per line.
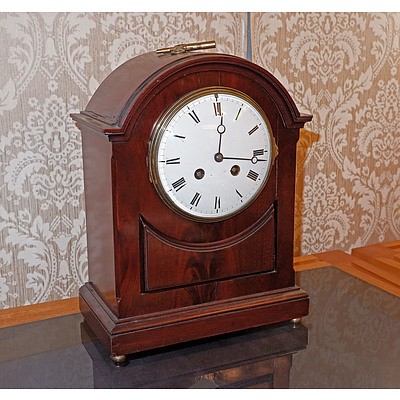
[{"x": 258, "y": 358}]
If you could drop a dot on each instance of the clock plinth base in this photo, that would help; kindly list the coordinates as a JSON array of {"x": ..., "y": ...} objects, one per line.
[{"x": 143, "y": 332}]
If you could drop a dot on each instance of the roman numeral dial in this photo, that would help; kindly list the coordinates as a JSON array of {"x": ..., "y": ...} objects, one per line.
[{"x": 211, "y": 154}]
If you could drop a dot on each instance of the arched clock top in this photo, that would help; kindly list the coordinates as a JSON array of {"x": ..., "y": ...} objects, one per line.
[{"x": 119, "y": 99}]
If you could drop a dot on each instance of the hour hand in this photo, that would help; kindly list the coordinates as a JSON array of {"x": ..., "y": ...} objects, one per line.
[{"x": 253, "y": 159}]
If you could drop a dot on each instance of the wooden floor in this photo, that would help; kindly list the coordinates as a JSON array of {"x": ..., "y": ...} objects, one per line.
[{"x": 378, "y": 264}]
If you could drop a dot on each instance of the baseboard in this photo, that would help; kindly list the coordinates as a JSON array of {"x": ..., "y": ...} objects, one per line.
[{"x": 38, "y": 312}]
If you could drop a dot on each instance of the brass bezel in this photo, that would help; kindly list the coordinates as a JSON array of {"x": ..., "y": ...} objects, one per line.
[{"x": 158, "y": 132}]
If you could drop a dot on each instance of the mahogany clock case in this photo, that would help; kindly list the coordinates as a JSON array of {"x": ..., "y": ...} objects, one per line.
[{"x": 157, "y": 278}]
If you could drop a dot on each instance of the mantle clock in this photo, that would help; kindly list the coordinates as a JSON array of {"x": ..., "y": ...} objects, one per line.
[{"x": 189, "y": 169}]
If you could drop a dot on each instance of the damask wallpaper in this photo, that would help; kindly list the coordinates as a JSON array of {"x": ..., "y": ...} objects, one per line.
[
  {"x": 342, "y": 68},
  {"x": 50, "y": 64}
]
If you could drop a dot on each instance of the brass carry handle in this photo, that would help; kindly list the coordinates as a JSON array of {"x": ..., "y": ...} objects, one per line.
[{"x": 184, "y": 48}]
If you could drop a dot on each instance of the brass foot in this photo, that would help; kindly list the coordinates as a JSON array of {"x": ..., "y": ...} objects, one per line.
[
  {"x": 296, "y": 322},
  {"x": 119, "y": 361}
]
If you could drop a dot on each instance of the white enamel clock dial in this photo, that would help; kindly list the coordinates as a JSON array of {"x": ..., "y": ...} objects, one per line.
[{"x": 211, "y": 154}]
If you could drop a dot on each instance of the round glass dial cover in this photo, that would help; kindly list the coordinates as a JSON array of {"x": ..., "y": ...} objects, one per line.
[{"x": 211, "y": 154}]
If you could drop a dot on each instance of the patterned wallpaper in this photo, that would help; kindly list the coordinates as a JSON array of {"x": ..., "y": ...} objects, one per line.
[{"x": 342, "y": 68}]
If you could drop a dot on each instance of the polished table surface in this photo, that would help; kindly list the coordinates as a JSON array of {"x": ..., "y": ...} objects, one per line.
[{"x": 350, "y": 339}]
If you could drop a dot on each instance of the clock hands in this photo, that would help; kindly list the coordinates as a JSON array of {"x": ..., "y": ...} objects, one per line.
[{"x": 219, "y": 157}]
